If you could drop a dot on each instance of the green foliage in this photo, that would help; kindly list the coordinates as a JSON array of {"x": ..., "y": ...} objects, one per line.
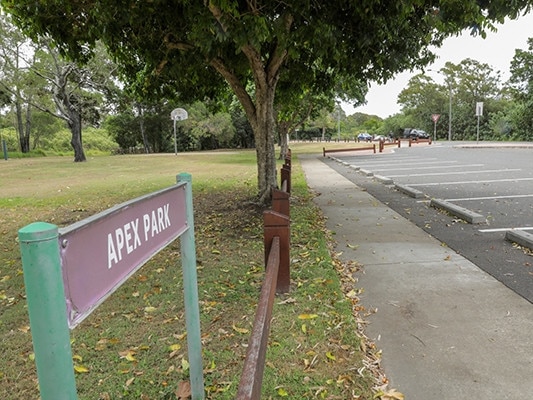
[
  {"x": 124, "y": 128},
  {"x": 98, "y": 139},
  {"x": 11, "y": 137},
  {"x": 93, "y": 139},
  {"x": 396, "y": 124},
  {"x": 244, "y": 135},
  {"x": 465, "y": 84},
  {"x": 209, "y": 130},
  {"x": 59, "y": 142},
  {"x": 358, "y": 122},
  {"x": 521, "y": 83}
]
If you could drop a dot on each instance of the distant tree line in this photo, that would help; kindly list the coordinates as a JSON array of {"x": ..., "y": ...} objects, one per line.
[{"x": 507, "y": 106}]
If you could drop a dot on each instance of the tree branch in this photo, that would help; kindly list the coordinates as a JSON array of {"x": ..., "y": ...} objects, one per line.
[
  {"x": 237, "y": 86},
  {"x": 278, "y": 56}
]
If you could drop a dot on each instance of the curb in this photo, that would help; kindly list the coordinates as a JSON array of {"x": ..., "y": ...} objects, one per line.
[
  {"x": 417, "y": 194},
  {"x": 384, "y": 179},
  {"x": 521, "y": 237},
  {"x": 461, "y": 212}
]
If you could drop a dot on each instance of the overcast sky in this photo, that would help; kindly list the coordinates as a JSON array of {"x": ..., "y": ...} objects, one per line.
[{"x": 497, "y": 50}]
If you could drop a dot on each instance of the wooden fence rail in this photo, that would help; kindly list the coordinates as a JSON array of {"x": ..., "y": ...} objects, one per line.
[
  {"x": 254, "y": 364},
  {"x": 369, "y": 147},
  {"x": 277, "y": 280},
  {"x": 381, "y": 146}
]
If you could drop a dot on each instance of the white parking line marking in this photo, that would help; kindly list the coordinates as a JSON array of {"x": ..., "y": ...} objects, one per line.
[
  {"x": 470, "y": 182},
  {"x": 495, "y": 230},
  {"x": 400, "y": 163},
  {"x": 403, "y": 163},
  {"x": 457, "y": 172},
  {"x": 516, "y": 196},
  {"x": 436, "y": 167}
]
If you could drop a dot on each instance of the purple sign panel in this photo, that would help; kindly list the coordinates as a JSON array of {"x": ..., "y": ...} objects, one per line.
[{"x": 99, "y": 253}]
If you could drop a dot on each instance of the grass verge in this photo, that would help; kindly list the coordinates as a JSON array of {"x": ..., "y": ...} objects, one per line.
[{"x": 134, "y": 345}]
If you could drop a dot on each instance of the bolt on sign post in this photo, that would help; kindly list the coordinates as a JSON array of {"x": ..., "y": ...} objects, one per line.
[
  {"x": 178, "y": 114},
  {"x": 69, "y": 272}
]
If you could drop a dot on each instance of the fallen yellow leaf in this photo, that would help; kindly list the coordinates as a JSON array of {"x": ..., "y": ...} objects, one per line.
[
  {"x": 174, "y": 347},
  {"x": 128, "y": 355},
  {"x": 184, "y": 364},
  {"x": 307, "y": 316},
  {"x": 242, "y": 331},
  {"x": 80, "y": 369}
]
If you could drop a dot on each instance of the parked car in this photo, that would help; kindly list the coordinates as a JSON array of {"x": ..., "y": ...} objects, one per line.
[
  {"x": 415, "y": 134},
  {"x": 379, "y": 138},
  {"x": 364, "y": 137}
]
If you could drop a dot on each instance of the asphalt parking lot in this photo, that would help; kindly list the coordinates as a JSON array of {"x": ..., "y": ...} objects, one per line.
[{"x": 493, "y": 181}]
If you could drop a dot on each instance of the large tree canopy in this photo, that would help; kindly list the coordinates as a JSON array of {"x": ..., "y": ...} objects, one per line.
[{"x": 166, "y": 46}]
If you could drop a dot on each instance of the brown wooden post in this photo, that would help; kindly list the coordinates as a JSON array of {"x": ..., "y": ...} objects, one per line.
[
  {"x": 280, "y": 202},
  {"x": 288, "y": 157},
  {"x": 374, "y": 146},
  {"x": 286, "y": 176},
  {"x": 277, "y": 224}
]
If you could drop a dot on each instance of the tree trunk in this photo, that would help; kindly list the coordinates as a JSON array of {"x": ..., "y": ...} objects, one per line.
[
  {"x": 261, "y": 112},
  {"x": 28, "y": 123},
  {"x": 264, "y": 128},
  {"x": 283, "y": 140},
  {"x": 74, "y": 124},
  {"x": 24, "y": 137},
  {"x": 146, "y": 144}
]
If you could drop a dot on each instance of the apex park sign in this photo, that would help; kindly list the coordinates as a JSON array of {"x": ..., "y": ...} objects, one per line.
[{"x": 100, "y": 253}]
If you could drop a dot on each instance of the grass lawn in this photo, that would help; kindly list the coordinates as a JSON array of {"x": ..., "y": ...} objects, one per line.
[{"x": 134, "y": 345}]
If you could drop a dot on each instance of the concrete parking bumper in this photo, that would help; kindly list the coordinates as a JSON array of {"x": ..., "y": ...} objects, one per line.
[{"x": 461, "y": 212}]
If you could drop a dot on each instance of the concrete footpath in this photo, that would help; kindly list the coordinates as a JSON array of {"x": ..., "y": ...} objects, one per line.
[{"x": 448, "y": 330}]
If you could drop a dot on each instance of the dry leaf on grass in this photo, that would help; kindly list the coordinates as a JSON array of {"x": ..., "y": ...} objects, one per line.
[{"x": 184, "y": 390}]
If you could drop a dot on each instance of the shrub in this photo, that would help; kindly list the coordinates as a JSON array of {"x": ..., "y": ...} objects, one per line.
[
  {"x": 11, "y": 138},
  {"x": 98, "y": 140}
]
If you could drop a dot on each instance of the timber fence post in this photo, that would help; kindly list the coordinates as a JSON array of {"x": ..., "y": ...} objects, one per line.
[{"x": 277, "y": 224}]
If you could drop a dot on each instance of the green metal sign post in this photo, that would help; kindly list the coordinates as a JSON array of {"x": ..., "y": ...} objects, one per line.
[
  {"x": 47, "y": 310},
  {"x": 190, "y": 294}
]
